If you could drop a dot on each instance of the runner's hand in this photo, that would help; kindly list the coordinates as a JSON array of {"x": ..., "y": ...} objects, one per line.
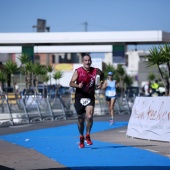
[
  {"x": 81, "y": 85},
  {"x": 99, "y": 86}
]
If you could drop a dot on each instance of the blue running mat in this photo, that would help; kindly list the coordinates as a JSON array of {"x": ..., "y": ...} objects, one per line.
[{"x": 61, "y": 145}]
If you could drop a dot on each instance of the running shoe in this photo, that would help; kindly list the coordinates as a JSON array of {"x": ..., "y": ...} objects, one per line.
[
  {"x": 88, "y": 140},
  {"x": 81, "y": 144},
  {"x": 111, "y": 122}
]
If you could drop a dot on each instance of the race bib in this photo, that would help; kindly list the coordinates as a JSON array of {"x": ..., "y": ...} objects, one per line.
[
  {"x": 111, "y": 93},
  {"x": 85, "y": 101}
]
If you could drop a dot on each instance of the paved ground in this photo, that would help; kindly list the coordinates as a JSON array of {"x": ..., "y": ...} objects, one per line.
[{"x": 17, "y": 157}]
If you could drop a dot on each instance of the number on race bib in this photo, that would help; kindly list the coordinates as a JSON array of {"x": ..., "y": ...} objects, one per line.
[
  {"x": 111, "y": 93},
  {"x": 85, "y": 101}
]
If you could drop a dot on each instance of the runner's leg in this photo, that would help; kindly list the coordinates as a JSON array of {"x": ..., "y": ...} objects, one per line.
[
  {"x": 81, "y": 120},
  {"x": 89, "y": 118}
]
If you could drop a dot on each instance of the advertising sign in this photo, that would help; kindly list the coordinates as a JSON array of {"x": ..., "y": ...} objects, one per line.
[{"x": 150, "y": 119}]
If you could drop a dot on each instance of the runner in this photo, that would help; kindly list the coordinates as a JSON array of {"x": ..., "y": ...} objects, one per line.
[
  {"x": 110, "y": 93},
  {"x": 83, "y": 80}
]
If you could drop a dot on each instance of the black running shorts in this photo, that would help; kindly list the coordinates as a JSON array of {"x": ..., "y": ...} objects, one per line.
[
  {"x": 108, "y": 98},
  {"x": 80, "y": 105}
]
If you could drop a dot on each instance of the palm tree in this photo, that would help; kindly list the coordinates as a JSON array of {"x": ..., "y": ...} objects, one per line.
[
  {"x": 107, "y": 69},
  {"x": 37, "y": 70},
  {"x": 155, "y": 58},
  {"x": 25, "y": 59},
  {"x": 151, "y": 77},
  {"x": 57, "y": 76},
  {"x": 50, "y": 69},
  {"x": 11, "y": 68},
  {"x": 45, "y": 79},
  {"x": 28, "y": 72},
  {"x": 120, "y": 73},
  {"x": 3, "y": 78},
  {"x": 165, "y": 54},
  {"x": 128, "y": 81}
]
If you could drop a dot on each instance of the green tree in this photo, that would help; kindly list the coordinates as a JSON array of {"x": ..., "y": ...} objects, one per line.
[
  {"x": 45, "y": 79},
  {"x": 11, "y": 68},
  {"x": 151, "y": 77},
  {"x": 165, "y": 54},
  {"x": 107, "y": 69},
  {"x": 29, "y": 75},
  {"x": 120, "y": 71},
  {"x": 3, "y": 78},
  {"x": 25, "y": 59},
  {"x": 57, "y": 76},
  {"x": 128, "y": 81},
  {"x": 37, "y": 70},
  {"x": 50, "y": 69},
  {"x": 157, "y": 57}
]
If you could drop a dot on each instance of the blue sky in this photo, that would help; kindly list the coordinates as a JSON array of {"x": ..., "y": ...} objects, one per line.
[{"x": 70, "y": 15}]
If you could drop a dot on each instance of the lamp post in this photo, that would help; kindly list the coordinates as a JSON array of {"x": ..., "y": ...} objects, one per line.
[{"x": 85, "y": 25}]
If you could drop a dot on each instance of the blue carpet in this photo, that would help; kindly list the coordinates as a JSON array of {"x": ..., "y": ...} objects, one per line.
[{"x": 61, "y": 145}]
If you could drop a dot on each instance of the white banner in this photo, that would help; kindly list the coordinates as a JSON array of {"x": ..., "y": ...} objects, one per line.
[{"x": 150, "y": 118}]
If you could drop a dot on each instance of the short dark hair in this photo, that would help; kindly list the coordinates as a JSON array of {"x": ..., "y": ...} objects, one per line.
[{"x": 86, "y": 54}]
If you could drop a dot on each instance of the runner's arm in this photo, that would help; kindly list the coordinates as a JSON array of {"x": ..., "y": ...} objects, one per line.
[
  {"x": 101, "y": 74},
  {"x": 73, "y": 81},
  {"x": 104, "y": 85}
]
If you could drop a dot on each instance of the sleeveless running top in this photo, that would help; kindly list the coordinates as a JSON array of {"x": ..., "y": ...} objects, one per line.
[
  {"x": 88, "y": 79},
  {"x": 110, "y": 89}
]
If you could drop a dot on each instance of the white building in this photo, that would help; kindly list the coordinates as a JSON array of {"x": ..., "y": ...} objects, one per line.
[{"x": 60, "y": 43}]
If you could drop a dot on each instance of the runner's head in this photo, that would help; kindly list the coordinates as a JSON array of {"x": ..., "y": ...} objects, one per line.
[
  {"x": 86, "y": 60},
  {"x": 110, "y": 75}
]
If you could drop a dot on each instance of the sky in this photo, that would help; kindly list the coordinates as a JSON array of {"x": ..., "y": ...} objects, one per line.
[{"x": 71, "y": 15}]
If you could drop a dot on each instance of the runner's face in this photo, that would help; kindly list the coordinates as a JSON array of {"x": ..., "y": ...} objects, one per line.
[
  {"x": 110, "y": 77},
  {"x": 86, "y": 62}
]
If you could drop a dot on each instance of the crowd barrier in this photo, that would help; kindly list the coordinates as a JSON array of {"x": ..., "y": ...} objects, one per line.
[
  {"x": 5, "y": 113},
  {"x": 123, "y": 104},
  {"x": 30, "y": 108}
]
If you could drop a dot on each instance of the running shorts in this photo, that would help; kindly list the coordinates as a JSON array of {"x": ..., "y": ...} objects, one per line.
[
  {"x": 80, "y": 105},
  {"x": 109, "y": 98}
]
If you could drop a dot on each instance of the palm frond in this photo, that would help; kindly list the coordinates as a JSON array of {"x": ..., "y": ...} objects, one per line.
[
  {"x": 57, "y": 75},
  {"x": 24, "y": 59},
  {"x": 154, "y": 57},
  {"x": 50, "y": 68},
  {"x": 3, "y": 77},
  {"x": 11, "y": 67}
]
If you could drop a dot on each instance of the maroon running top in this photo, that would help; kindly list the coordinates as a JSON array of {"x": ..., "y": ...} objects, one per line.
[{"x": 88, "y": 78}]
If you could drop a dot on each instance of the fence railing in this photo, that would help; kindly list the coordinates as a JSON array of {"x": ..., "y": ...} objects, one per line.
[{"x": 30, "y": 108}]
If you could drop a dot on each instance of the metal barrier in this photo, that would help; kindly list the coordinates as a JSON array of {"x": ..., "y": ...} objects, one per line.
[
  {"x": 44, "y": 108},
  {"x": 123, "y": 105},
  {"x": 30, "y": 108},
  {"x": 17, "y": 109},
  {"x": 57, "y": 108},
  {"x": 5, "y": 113},
  {"x": 68, "y": 104},
  {"x": 101, "y": 107}
]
